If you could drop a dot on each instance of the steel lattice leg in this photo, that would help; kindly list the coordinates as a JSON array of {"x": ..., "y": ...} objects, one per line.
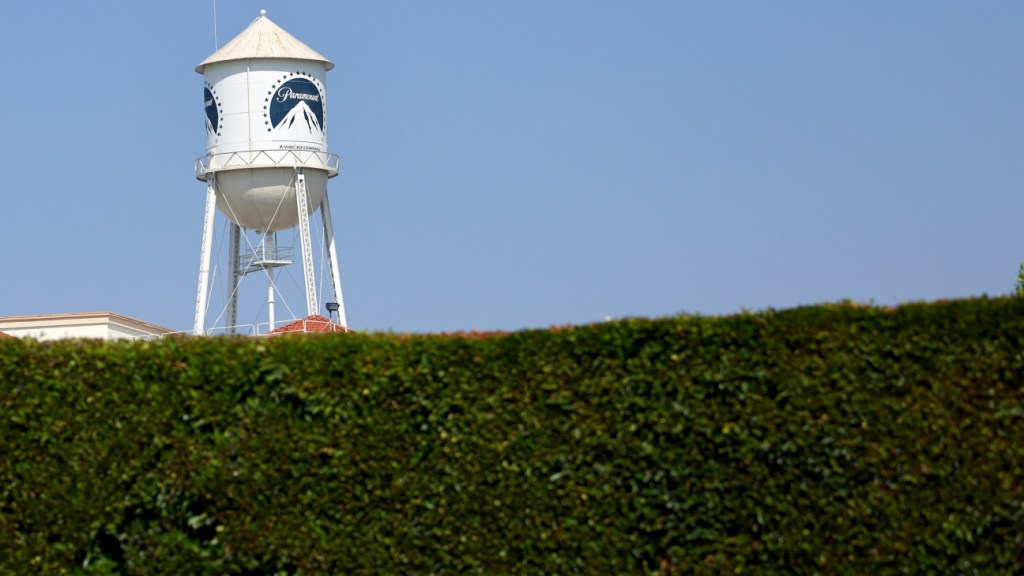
[
  {"x": 234, "y": 276},
  {"x": 307, "y": 248}
]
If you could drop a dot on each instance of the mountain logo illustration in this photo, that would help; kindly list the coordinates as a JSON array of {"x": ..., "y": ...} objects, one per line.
[
  {"x": 296, "y": 104},
  {"x": 213, "y": 111}
]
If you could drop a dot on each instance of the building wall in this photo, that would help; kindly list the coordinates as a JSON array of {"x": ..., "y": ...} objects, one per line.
[
  {"x": 57, "y": 332},
  {"x": 105, "y": 326}
]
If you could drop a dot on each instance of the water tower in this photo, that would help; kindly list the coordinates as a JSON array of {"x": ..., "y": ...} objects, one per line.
[{"x": 266, "y": 165}]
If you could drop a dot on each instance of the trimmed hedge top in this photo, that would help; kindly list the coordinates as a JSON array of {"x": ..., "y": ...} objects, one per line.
[{"x": 830, "y": 439}]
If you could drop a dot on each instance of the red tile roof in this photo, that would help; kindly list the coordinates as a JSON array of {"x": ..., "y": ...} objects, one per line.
[
  {"x": 2, "y": 335},
  {"x": 314, "y": 323}
]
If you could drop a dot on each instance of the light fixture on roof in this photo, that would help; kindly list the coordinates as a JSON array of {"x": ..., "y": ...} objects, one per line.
[{"x": 332, "y": 307}]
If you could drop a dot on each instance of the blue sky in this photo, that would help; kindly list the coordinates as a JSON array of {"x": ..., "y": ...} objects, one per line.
[{"x": 509, "y": 165}]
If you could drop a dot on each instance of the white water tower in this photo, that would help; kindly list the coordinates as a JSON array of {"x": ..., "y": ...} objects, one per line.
[{"x": 266, "y": 165}]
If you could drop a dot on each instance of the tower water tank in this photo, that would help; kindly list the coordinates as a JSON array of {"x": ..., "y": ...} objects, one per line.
[{"x": 267, "y": 163}]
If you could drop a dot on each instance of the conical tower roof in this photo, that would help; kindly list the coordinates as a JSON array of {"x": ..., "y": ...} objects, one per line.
[{"x": 264, "y": 39}]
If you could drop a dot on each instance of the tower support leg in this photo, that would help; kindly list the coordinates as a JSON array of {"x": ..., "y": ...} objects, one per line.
[
  {"x": 332, "y": 253},
  {"x": 198, "y": 327},
  {"x": 307, "y": 249},
  {"x": 234, "y": 276}
]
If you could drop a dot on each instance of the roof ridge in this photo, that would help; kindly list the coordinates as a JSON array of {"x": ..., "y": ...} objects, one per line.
[{"x": 312, "y": 323}]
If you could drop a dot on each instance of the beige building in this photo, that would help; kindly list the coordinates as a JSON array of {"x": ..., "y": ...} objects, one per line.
[{"x": 102, "y": 325}]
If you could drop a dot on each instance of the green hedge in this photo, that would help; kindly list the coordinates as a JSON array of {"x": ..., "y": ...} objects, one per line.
[{"x": 830, "y": 439}]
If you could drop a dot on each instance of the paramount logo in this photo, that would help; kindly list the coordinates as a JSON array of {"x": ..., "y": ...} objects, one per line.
[
  {"x": 287, "y": 93},
  {"x": 297, "y": 105},
  {"x": 212, "y": 113}
]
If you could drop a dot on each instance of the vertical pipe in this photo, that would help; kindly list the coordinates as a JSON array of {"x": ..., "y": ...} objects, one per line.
[
  {"x": 270, "y": 297},
  {"x": 269, "y": 243}
]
